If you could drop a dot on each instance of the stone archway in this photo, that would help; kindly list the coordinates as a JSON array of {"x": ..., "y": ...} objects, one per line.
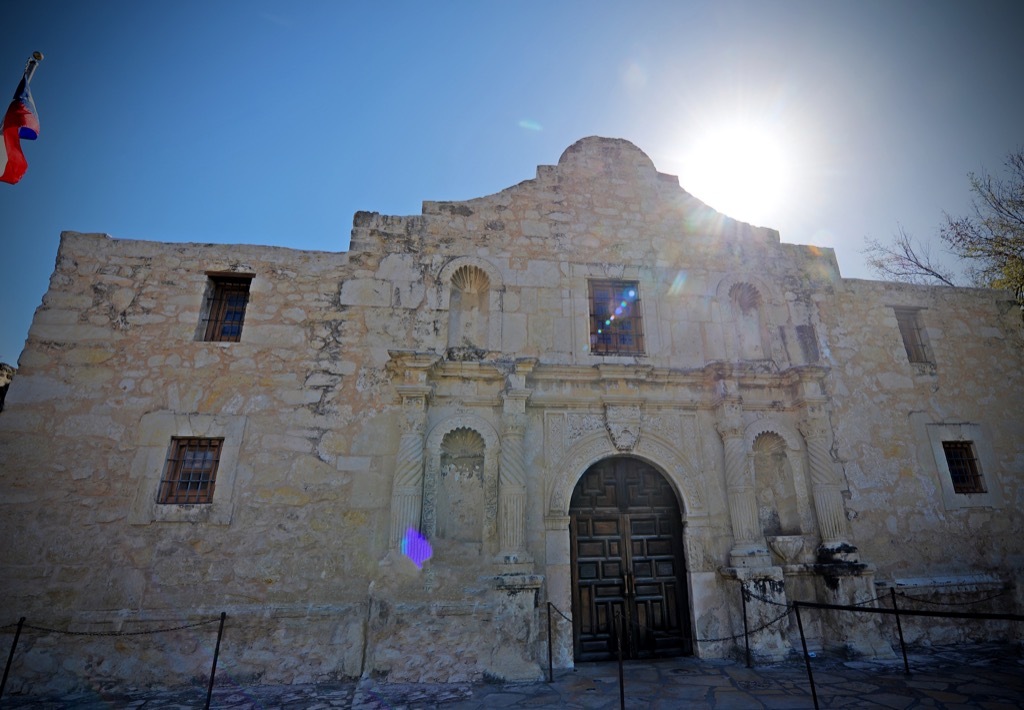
[{"x": 627, "y": 561}]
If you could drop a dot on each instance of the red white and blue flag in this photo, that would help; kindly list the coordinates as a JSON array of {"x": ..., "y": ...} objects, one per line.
[{"x": 20, "y": 122}]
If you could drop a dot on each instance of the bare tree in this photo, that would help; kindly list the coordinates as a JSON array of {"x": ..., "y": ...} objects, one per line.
[
  {"x": 905, "y": 259},
  {"x": 990, "y": 241}
]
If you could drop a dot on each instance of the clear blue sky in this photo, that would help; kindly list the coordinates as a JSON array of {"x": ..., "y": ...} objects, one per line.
[{"x": 272, "y": 122}]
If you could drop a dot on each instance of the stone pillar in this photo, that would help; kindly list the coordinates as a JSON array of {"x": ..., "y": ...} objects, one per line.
[
  {"x": 407, "y": 493},
  {"x": 765, "y": 591},
  {"x": 826, "y": 489},
  {"x": 512, "y": 490},
  {"x": 558, "y": 557},
  {"x": 512, "y": 472},
  {"x": 749, "y": 548}
]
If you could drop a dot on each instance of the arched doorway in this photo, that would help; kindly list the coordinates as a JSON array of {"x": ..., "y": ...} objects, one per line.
[{"x": 627, "y": 557}]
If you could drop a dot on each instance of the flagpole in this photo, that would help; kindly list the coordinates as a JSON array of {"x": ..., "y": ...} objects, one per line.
[{"x": 31, "y": 64}]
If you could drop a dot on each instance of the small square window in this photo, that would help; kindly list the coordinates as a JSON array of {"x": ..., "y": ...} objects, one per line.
[
  {"x": 615, "y": 324},
  {"x": 190, "y": 471},
  {"x": 909, "y": 322},
  {"x": 964, "y": 469},
  {"x": 225, "y": 308}
]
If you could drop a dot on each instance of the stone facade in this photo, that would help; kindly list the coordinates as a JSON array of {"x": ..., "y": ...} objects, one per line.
[{"x": 441, "y": 376}]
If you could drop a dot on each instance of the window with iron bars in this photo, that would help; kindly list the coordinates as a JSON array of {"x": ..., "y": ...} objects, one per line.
[
  {"x": 225, "y": 309},
  {"x": 616, "y": 327},
  {"x": 191, "y": 471},
  {"x": 909, "y": 322},
  {"x": 964, "y": 469}
]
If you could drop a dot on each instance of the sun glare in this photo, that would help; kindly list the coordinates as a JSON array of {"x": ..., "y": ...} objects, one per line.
[{"x": 740, "y": 169}]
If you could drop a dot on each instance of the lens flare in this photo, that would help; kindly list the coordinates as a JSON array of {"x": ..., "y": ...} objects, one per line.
[
  {"x": 416, "y": 547},
  {"x": 678, "y": 283}
]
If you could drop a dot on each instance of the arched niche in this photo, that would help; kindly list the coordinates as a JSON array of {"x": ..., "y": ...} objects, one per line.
[
  {"x": 470, "y": 290},
  {"x": 744, "y": 307},
  {"x": 457, "y": 445},
  {"x": 778, "y": 460}
]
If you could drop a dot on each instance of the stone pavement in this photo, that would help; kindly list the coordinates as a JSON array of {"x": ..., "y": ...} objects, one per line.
[{"x": 991, "y": 678}]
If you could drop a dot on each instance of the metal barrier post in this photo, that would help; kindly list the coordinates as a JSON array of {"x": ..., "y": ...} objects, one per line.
[
  {"x": 216, "y": 652},
  {"x": 746, "y": 634},
  {"x": 551, "y": 671},
  {"x": 10, "y": 656},
  {"x": 807, "y": 657},
  {"x": 618, "y": 637},
  {"x": 899, "y": 628}
]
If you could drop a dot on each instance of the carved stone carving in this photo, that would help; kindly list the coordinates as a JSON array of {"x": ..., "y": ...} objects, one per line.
[
  {"x": 686, "y": 477},
  {"x": 554, "y": 435},
  {"x": 579, "y": 425},
  {"x": 623, "y": 424},
  {"x": 667, "y": 425}
]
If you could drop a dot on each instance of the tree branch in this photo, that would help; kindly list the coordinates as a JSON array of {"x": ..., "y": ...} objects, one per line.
[{"x": 905, "y": 259}]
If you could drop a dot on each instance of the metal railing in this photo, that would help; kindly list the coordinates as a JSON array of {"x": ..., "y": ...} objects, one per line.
[
  {"x": 860, "y": 607},
  {"x": 21, "y": 625}
]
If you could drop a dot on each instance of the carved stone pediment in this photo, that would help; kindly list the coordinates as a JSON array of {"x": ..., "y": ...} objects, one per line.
[{"x": 623, "y": 425}]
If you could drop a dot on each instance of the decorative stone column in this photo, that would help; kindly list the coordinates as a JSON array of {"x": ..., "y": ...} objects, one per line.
[
  {"x": 749, "y": 548},
  {"x": 826, "y": 488},
  {"x": 512, "y": 472},
  {"x": 411, "y": 370},
  {"x": 407, "y": 494}
]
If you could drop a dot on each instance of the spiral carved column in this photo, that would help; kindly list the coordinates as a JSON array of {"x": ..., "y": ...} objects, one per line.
[
  {"x": 826, "y": 488},
  {"x": 749, "y": 548},
  {"x": 407, "y": 494},
  {"x": 512, "y": 480}
]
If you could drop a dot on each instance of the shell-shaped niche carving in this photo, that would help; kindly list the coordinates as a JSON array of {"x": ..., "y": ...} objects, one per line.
[
  {"x": 752, "y": 341},
  {"x": 471, "y": 279},
  {"x": 468, "y": 313},
  {"x": 746, "y": 297},
  {"x": 462, "y": 442}
]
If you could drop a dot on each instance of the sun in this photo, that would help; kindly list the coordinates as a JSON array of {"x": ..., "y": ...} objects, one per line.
[{"x": 742, "y": 169}]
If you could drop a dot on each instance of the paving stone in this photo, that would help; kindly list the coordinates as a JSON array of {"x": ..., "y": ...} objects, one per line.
[{"x": 677, "y": 683}]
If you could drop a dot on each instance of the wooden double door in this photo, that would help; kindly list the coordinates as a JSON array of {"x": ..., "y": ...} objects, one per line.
[{"x": 627, "y": 559}]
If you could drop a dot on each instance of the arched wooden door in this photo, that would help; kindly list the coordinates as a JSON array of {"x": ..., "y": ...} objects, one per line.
[{"x": 627, "y": 557}]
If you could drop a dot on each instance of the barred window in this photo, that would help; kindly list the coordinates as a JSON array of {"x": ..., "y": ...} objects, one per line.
[
  {"x": 190, "y": 471},
  {"x": 616, "y": 327},
  {"x": 225, "y": 308},
  {"x": 964, "y": 468},
  {"x": 909, "y": 322}
]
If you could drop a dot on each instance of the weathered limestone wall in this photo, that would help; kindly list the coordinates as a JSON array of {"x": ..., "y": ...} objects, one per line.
[
  {"x": 112, "y": 370},
  {"x": 452, "y": 349},
  {"x": 884, "y": 407}
]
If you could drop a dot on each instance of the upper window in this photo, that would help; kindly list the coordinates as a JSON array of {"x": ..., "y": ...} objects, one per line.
[
  {"x": 964, "y": 469},
  {"x": 225, "y": 308},
  {"x": 190, "y": 471},
  {"x": 808, "y": 343},
  {"x": 909, "y": 322},
  {"x": 615, "y": 324}
]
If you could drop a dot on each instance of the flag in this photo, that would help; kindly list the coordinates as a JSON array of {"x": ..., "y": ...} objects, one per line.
[{"x": 20, "y": 121}]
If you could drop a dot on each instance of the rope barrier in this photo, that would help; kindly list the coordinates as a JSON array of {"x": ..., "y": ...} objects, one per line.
[
  {"x": 118, "y": 633},
  {"x": 764, "y": 626},
  {"x": 558, "y": 611},
  {"x": 976, "y": 601}
]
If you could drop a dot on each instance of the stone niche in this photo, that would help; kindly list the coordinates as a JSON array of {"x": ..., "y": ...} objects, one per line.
[
  {"x": 460, "y": 617},
  {"x": 460, "y": 496}
]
